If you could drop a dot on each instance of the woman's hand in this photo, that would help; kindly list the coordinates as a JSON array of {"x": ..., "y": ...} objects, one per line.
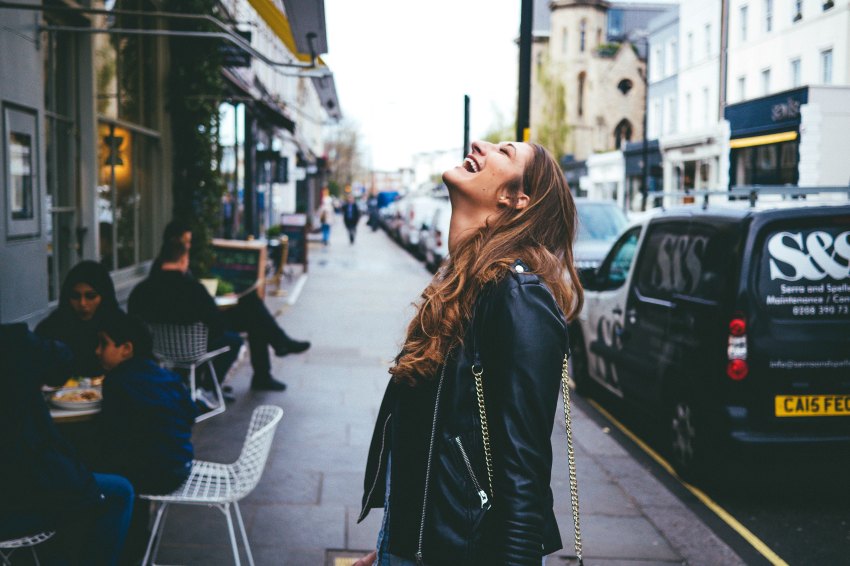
[{"x": 367, "y": 560}]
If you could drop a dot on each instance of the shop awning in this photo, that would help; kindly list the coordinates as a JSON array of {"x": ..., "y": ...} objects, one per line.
[
  {"x": 738, "y": 143},
  {"x": 279, "y": 24}
]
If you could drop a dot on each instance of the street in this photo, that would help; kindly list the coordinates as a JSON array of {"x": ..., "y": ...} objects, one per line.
[{"x": 354, "y": 307}]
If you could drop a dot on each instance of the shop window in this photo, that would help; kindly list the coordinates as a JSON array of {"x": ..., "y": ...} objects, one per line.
[
  {"x": 20, "y": 142},
  {"x": 60, "y": 93},
  {"x": 129, "y": 162},
  {"x": 772, "y": 164},
  {"x": 125, "y": 74}
]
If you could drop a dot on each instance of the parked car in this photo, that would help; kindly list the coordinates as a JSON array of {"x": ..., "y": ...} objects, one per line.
[
  {"x": 416, "y": 211},
  {"x": 599, "y": 224},
  {"x": 732, "y": 325},
  {"x": 436, "y": 238}
]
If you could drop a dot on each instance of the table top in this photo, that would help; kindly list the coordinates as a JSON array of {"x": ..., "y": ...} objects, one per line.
[
  {"x": 61, "y": 416},
  {"x": 226, "y": 301}
]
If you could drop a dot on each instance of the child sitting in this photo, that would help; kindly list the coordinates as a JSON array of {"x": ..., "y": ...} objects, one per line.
[{"x": 147, "y": 412}]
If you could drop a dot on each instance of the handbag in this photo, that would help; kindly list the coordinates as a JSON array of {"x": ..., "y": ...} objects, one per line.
[{"x": 478, "y": 373}]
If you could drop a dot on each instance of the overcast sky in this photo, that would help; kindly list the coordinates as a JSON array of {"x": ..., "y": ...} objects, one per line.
[{"x": 401, "y": 70}]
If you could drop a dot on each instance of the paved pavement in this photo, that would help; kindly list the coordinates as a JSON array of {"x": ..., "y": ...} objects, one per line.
[{"x": 354, "y": 306}]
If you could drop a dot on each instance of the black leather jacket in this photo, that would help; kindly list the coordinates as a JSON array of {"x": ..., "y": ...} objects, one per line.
[{"x": 442, "y": 507}]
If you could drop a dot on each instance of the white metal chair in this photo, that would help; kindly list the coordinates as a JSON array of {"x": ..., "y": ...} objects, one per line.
[
  {"x": 222, "y": 485},
  {"x": 184, "y": 346},
  {"x": 7, "y": 547}
]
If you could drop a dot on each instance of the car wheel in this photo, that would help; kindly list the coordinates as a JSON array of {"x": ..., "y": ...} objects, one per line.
[
  {"x": 580, "y": 372},
  {"x": 690, "y": 440}
]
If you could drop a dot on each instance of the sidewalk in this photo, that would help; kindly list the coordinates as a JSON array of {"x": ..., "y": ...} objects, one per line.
[{"x": 354, "y": 307}]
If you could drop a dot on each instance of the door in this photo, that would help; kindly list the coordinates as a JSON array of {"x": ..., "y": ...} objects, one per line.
[
  {"x": 649, "y": 347},
  {"x": 605, "y": 305}
]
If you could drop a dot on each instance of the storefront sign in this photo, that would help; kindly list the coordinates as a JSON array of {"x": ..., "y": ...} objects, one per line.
[
  {"x": 788, "y": 110},
  {"x": 767, "y": 114}
]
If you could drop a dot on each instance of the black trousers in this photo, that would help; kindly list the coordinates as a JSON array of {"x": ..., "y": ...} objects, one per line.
[{"x": 251, "y": 315}]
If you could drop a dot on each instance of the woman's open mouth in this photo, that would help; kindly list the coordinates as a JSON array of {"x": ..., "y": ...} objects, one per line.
[{"x": 470, "y": 165}]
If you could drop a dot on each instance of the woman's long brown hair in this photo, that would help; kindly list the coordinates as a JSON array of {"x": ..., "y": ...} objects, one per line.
[{"x": 541, "y": 235}]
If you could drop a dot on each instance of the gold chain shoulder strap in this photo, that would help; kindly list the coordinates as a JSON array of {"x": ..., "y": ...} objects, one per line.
[
  {"x": 571, "y": 457},
  {"x": 478, "y": 373}
]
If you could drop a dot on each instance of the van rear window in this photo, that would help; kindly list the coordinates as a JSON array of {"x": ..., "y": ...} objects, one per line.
[{"x": 805, "y": 273}]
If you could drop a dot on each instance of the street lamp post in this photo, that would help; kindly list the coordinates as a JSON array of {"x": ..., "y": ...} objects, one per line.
[{"x": 644, "y": 188}]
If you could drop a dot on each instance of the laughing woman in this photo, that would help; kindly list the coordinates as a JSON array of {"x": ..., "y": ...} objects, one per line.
[{"x": 461, "y": 457}]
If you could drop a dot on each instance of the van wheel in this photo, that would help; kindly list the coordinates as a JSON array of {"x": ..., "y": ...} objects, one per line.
[
  {"x": 690, "y": 440},
  {"x": 579, "y": 370}
]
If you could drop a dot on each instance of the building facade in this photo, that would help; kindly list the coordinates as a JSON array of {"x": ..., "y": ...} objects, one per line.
[
  {"x": 789, "y": 89},
  {"x": 695, "y": 154},
  {"x": 87, "y": 141}
]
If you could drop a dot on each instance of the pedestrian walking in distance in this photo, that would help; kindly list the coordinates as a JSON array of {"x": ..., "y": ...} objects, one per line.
[
  {"x": 326, "y": 215},
  {"x": 460, "y": 459},
  {"x": 351, "y": 216}
]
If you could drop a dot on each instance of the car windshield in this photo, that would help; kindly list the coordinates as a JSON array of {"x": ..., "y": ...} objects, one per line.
[{"x": 599, "y": 221}]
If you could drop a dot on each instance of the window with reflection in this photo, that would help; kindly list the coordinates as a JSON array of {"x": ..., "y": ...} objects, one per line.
[{"x": 128, "y": 92}]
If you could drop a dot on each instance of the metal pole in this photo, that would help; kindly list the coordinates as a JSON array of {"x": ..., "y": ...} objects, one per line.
[
  {"x": 644, "y": 188},
  {"x": 523, "y": 100},
  {"x": 465, "y": 126}
]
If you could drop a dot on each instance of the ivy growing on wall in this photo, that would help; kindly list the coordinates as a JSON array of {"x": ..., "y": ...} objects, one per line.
[{"x": 195, "y": 87}]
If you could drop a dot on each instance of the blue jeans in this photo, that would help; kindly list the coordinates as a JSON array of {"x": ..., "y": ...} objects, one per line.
[
  {"x": 110, "y": 528},
  {"x": 326, "y": 233},
  {"x": 384, "y": 557}
]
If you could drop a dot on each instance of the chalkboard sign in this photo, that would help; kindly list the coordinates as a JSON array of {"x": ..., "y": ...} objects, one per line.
[
  {"x": 297, "y": 244},
  {"x": 295, "y": 228},
  {"x": 240, "y": 263}
]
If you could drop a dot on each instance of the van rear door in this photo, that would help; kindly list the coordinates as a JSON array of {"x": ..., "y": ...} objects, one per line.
[{"x": 798, "y": 332}]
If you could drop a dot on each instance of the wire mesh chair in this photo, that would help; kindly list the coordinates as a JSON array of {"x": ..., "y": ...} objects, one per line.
[
  {"x": 7, "y": 547},
  {"x": 222, "y": 485},
  {"x": 184, "y": 346}
]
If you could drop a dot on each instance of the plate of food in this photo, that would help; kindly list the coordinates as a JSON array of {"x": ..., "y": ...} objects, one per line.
[{"x": 77, "y": 399}]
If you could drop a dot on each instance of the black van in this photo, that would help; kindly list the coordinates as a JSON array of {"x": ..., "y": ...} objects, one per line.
[{"x": 734, "y": 324}]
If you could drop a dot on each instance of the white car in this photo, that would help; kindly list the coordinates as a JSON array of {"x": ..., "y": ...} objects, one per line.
[
  {"x": 417, "y": 212},
  {"x": 437, "y": 236}
]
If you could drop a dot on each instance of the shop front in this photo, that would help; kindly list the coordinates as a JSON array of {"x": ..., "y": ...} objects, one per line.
[
  {"x": 764, "y": 145},
  {"x": 693, "y": 162},
  {"x": 636, "y": 154},
  {"x": 797, "y": 137}
]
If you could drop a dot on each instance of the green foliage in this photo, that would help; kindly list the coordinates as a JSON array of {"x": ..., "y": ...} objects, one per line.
[
  {"x": 224, "y": 288},
  {"x": 608, "y": 49},
  {"x": 553, "y": 130},
  {"x": 193, "y": 87}
]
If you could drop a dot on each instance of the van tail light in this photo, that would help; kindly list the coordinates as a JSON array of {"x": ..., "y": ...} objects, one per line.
[
  {"x": 438, "y": 236},
  {"x": 737, "y": 369},
  {"x": 736, "y": 351}
]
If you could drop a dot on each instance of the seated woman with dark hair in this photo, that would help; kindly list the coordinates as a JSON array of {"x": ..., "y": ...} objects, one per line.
[
  {"x": 87, "y": 295},
  {"x": 147, "y": 414}
]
